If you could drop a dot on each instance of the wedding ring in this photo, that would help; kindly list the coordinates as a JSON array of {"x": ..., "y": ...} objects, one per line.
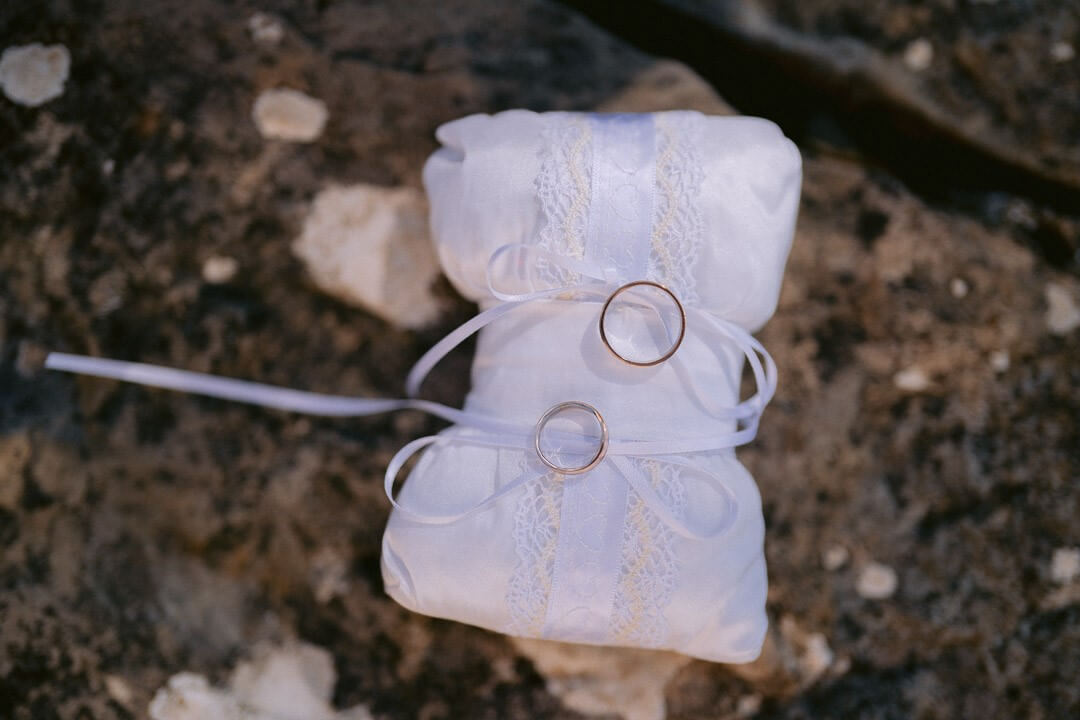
[
  {"x": 563, "y": 407},
  {"x": 604, "y": 321}
]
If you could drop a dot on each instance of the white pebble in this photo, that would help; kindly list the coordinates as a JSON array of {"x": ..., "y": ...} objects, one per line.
[
  {"x": 818, "y": 656},
  {"x": 1061, "y": 52},
  {"x": 835, "y": 557},
  {"x": 34, "y": 74},
  {"x": 748, "y": 705},
  {"x": 1065, "y": 565},
  {"x": 919, "y": 54},
  {"x": 287, "y": 114},
  {"x": 958, "y": 287},
  {"x": 912, "y": 379},
  {"x": 999, "y": 360},
  {"x": 118, "y": 689},
  {"x": 265, "y": 29},
  {"x": 369, "y": 246},
  {"x": 1062, "y": 313},
  {"x": 876, "y": 582},
  {"x": 218, "y": 269}
]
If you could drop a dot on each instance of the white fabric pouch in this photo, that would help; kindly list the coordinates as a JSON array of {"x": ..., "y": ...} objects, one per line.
[{"x": 659, "y": 545}]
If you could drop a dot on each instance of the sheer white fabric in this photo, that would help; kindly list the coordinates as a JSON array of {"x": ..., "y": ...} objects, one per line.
[{"x": 707, "y": 207}]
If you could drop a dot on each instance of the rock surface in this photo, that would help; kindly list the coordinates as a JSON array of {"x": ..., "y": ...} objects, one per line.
[{"x": 145, "y": 534}]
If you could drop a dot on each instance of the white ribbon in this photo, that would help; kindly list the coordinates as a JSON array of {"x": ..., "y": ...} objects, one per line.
[{"x": 597, "y": 283}]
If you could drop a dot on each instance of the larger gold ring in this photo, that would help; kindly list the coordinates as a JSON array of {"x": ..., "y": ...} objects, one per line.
[
  {"x": 671, "y": 350},
  {"x": 551, "y": 413}
]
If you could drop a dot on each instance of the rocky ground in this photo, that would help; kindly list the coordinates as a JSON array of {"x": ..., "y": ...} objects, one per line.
[{"x": 920, "y": 466}]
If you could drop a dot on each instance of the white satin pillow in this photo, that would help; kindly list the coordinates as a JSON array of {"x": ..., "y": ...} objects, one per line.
[{"x": 707, "y": 207}]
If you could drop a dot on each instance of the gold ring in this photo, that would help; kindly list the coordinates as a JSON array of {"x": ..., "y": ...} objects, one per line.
[
  {"x": 678, "y": 340},
  {"x": 555, "y": 410}
]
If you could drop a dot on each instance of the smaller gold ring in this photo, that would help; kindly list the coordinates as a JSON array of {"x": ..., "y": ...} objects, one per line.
[
  {"x": 555, "y": 410},
  {"x": 675, "y": 345}
]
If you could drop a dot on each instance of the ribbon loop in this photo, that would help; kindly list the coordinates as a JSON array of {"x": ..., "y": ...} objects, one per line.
[{"x": 521, "y": 268}]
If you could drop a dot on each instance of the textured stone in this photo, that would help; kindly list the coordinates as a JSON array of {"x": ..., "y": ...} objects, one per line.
[
  {"x": 369, "y": 246},
  {"x": 1062, "y": 310},
  {"x": 287, "y": 114},
  {"x": 876, "y": 581},
  {"x": 1065, "y": 565},
  {"x": 34, "y": 74}
]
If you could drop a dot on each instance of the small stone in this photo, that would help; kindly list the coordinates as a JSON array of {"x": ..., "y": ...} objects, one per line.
[
  {"x": 959, "y": 288},
  {"x": 876, "y": 582},
  {"x": 108, "y": 166},
  {"x": 912, "y": 379},
  {"x": 1065, "y": 565},
  {"x": 219, "y": 269},
  {"x": 835, "y": 557},
  {"x": 999, "y": 360},
  {"x": 1061, "y": 52},
  {"x": 817, "y": 657},
  {"x": 748, "y": 705},
  {"x": 919, "y": 54},
  {"x": 265, "y": 29},
  {"x": 1062, "y": 312},
  {"x": 119, "y": 690},
  {"x": 369, "y": 246},
  {"x": 287, "y": 114},
  {"x": 34, "y": 74}
]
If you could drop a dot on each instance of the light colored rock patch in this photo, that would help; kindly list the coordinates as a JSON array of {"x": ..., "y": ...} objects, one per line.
[
  {"x": 1062, "y": 312},
  {"x": 265, "y": 29},
  {"x": 602, "y": 680},
  {"x": 876, "y": 582},
  {"x": 911, "y": 379},
  {"x": 835, "y": 557},
  {"x": 919, "y": 54},
  {"x": 1065, "y": 565},
  {"x": 219, "y": 269},
  {"x": 369, "y": 246},
  {"x": 287, "y": 114},
  {"x": 34, "y": 74},
  {"x": 668, "y": 85},
  {"x": 294, "y": 682}
]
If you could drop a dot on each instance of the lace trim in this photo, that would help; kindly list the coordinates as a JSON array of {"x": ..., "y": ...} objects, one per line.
[
  {"x": 649, "y": 568},
  {"x": 536, "y": 535},
  {"x": 564, "y": 187},
  {"x": 678, "y": 225}
]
